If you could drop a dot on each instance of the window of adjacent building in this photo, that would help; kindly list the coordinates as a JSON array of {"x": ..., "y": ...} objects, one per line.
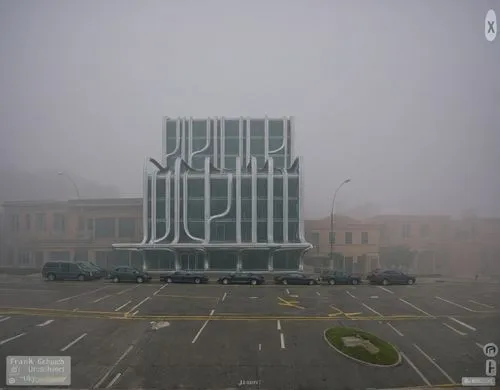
[
  {"x": 220, "y": 232},
  {"x": 104, "y": 227},
  {"x": 278, "y": 209},
  {"x": 81, "y": 223},
  {"x": 40, "y": 222},
  {"x": 424, "y": 230},
  {"x": 331, "y": 237},
  {"x": 24, "y": 258},
  {"x": 364, "y": 237},
  {"x": 315, "y": 240},
  {"x": 14, "y": 223},
  {"x": 58, "y": 223},
  {"x": 348, "y": 237},
  {"x": 406, "y": 230},
  {"x": 90, "y": 224},
  {"x": 262, "y": 188},
  {"x": 28, "y": 221},
  {"x": 126, "y": 227}
]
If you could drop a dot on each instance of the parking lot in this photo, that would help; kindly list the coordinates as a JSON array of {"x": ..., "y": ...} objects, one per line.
[{"x": 269, "y": 337}]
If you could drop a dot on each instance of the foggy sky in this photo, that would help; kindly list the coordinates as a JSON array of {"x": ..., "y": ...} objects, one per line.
[{"x": 403, "y": 97}]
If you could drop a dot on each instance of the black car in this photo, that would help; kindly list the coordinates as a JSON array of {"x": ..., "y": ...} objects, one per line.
[
  {"x": 295, "y": 278},
  {"x": 242, "y": 278},
  {"x": 184, "y": 277},
  {"x": 387, "y": 277},
  {"x": 65, "y": 270},
  {"x": 340, "y": 277},
  {"x": 128, "y": 274},
  {"x": 97, "y": 272}
]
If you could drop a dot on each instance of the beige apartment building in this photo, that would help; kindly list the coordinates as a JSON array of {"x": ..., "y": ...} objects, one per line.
[
  {"x": 355, "y": 243},
  {"x": 35, "y": 232}
]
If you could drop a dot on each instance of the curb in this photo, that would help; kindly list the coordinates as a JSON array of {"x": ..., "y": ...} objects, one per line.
[{"x": 400, "y": 358}]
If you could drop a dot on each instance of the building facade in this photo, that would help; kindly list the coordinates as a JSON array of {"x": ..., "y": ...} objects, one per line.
[
  {"x": 227, "y": 195},
  {"x": 356, "y": 244},
  {"x": 38, "y": 231}
]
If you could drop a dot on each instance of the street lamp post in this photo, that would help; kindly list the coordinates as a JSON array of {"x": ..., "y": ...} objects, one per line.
[
  {"x": 332, "y": 220},
  {"x": 72, "y": 182}
]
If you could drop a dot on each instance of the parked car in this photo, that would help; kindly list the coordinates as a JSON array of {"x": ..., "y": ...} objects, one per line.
[
  {"x": 386, "y": 277},
  {"x": 340, "y": 277},
  {"x": 241, "y": 278},
  {"x": 128, "y": 274},
  {"x": 65, "y": 270},
  {"x": 97, "y": 271},
  {"x": 184, "y": 277},
  {"x": 296, "y": 278}
]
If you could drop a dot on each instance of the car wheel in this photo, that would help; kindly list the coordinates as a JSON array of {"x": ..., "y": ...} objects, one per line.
[
  {"x": 225, "y": 281},
  {"x": 311, "y": 282},
  {"x": 169, "y": 280},
  {"x": 410, "y": 281},
  {"x": 51, "y": 277},
  {"x": 354, "y": 281},
  {"x": 139, "y": 279},
  {"x": 116, "y": 279},
  {"x": 253, "y": 282},
  {"x": 284, "y": 281},
  {"x": 81, "y": 278},
  {"x": 385, "y": 282},
  {"x": 331, "y": 282},
  {"x": 197, "y": 281}
]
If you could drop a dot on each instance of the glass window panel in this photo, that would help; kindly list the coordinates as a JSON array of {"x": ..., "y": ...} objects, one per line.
[
  {"x": 232, "y": 128},
  {"x": 276, "y": 128},
  {"x": 104, "y": 227},
  {"x": 126, "y": 227},
  {"x": 232, "y": 146},
  {"x": 261, "y": 231},
  {"x": 257, "y": 146},
  {"x": 279, "y": 161},
  {"x": 246, "y": 208},
  {"x": 223, "y": 260},
  {"x": 262, "y": 187},
  {"x": 262, "y": 209},
  {"x": 196, "y": 209},
  {"x": 196, "y": 188},
  {"x": 293, "y": 232},
  {"x": 293, "y": 209},
  {"x": 278, "y": 186},
  {"x": 246, "y": 187},
  {"x": 285, "y": 261},
  {"x": 171, "y": 129},
  {"x": 255, "y": 260},
  {"x": 230, "y": 162},
  {"x": 278, "y": 231},
  {"x": 136, "y": 260},
  {"x": 218, "y": 188},
  {"x": 198, "y": 143},
  {"x": 275, "y": 143},
  {"x": 246, "y": 231},
  {"x": 218, "y": 206},
  {"x": 200, "y": 129},
  {"x": 257, "y": 128},
  {"x": 196, "y": 228},
  {"x": 278, "y": 208}
]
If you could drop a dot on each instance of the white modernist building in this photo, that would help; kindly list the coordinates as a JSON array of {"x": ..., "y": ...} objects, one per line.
[{"x": 227, "y": 195}]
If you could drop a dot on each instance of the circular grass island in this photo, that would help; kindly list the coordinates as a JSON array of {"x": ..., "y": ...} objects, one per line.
[{"x": 367, "y": 349}]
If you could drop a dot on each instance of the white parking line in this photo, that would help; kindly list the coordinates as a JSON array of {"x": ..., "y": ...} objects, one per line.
[
  {"x": 4, "y": 319},
  {"x": 122, "y": 306},
  {"x": 113, "y": 381},
  {"x": 395, "y": 330},
  {"x": 124, "y": 291},
  {"x": 99, "y": 383},
  {"x": 73, "y": 342},
  {"x": 45, "y": 323},
  {"x": 288, "y": 292},
  {"x": 278, "y": 325},
  {"x": 102, "y": 298},
  {"x": 12, "y": 338},
  {"x": 415, "y": 307},
  {"x": 482, "y": 304},
  {"x": 81, "y": 295},
  {"x": 135, "y": 312},
  {"x": 386, "y": 289},
  {"x": 463, "y": 324},
  {"x": 282, "y": 340},
  {"x": 349, "y": 293},
  {"x": 161, "y": 288},
  {"x": 426, "y": 381},
  {"x": 372, "y": 310},
  {"x": 456, "y": 304},
  {"x": 431, "y": 360},
  {"x": 224, "y": 297},
  {"x": 481, "y": 346},
  {"x": 260, "y": 347},
  {"x": 453, "y": 329},
  {"x": 139, "y": 304},
  {"x": 203, "y": 327},
  {"x": 318, "y": 294}
]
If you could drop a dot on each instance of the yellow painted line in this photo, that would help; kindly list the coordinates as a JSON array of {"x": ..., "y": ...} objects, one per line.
[
  {"x": 284, "y": 302},
  {"x": 353, "y": 314}
]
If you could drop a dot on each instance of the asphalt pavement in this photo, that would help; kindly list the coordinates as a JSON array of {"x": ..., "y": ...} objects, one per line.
[{"x": 157, "y": 336}]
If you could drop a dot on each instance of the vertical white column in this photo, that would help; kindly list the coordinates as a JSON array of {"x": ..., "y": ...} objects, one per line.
[
  {"x": 266, "y": 138},
  {"x": 177, "y": 196},
  {"x": 301, "y": 202},
  {"x": 216, "y": 143},
  {"x": 164, "y": 142},
  {"x": 207, "y": 199},
  {"x": 206, "y": 263},
  {"x": 222, "y": 143},
  {"x": 285, "y": 206},
  {"x": 145, "y": 200},
  {"x": 254, "y": 199},
  {"x": 153, "y": 206},
  {"x": 190, "y": 141},
  {"x": 238, "y": 199},
  {"x": 285, "y": 143},
  {"x": 292, "y": 138},
  {"x": 183, "y": 139},
  {"x": 248, "y": 151},
  {"x": 240, "y": 140},
  {"x": 270, "y": 200}
]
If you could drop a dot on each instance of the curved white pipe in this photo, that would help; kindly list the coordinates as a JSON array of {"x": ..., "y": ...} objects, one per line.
[
  {"x": 301, "y": 202},
  {"x": 229, "y": 200},
  {"x": 177, "y": 194},
  {"x": 207, "y": 199},
  {"x": 238, "y": 199},
  {"x": 185, "y": 200},
  {"x": 254, "y": 199},
  {"x": 167, "y": 208},
  {"x": 284, "y": 142},
  {"x": 266, "y": 138},
  {"x": 285, "y": 205},
  {"x": 207, "y": 144}
]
